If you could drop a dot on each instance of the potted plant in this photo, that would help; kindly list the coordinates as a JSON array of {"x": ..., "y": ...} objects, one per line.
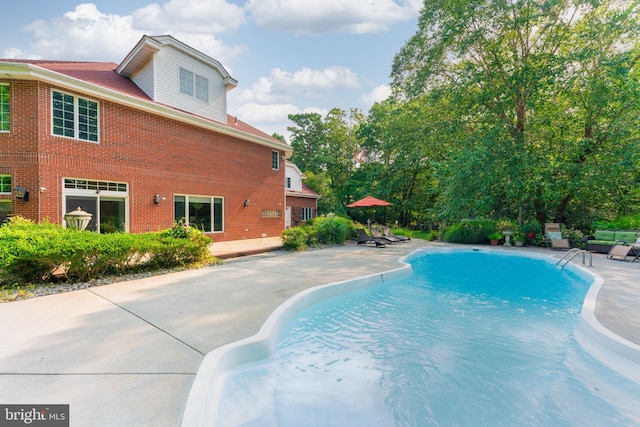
[
  {"x": 531, "y": 228},
  {"x": 518, "y": 238},
  {"x": 495, "y": 237}
]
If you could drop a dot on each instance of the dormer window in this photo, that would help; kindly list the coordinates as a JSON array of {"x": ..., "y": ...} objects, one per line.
[{"x": 193, "y": 84}]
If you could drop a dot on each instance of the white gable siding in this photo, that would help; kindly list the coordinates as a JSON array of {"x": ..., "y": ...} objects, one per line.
[
  {"x": 167, "y": 63},
  {"x": 143, "y": 78},
  {"x": 296, "y": 178}
]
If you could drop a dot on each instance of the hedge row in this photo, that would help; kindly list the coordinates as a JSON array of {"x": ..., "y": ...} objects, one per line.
[{"x": 38, "y": 253}]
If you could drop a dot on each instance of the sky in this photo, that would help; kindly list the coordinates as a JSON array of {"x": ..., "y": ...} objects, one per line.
[{"x": 289, "y": 56}]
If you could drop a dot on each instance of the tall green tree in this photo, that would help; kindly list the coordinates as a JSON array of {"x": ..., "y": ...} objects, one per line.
[
  {"x": 529, "y": 82},
  {"x": 308, "y": 141}
]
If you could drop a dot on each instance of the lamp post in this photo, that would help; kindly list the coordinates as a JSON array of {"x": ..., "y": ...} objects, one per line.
[{"x": 77, "y": 219}]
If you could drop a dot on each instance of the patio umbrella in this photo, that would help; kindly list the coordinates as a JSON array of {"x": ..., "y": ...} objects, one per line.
[{"x": 368, "y": 201}]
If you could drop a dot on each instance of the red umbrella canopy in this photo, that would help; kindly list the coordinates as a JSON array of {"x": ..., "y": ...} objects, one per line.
[{"x": 368, "y": 201}]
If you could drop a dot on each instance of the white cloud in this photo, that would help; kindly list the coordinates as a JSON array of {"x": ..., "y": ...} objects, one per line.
[
  {"x": 281, "y": 85},
  {"x": 377, "y": 94},
  {"x": 87, "y": 33},
  {"x": 84, "y": 33},
  {"x": 273, "y": 118},
  {"x": 15, "y": 53},
  {"x": 327, "y": 16},
  {"x": 211, "y": 16}
]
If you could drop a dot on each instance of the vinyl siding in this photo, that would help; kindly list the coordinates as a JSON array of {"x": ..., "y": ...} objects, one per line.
[
  {"x": 167, "y": 65},
  {"x": 143, "y": 78}
]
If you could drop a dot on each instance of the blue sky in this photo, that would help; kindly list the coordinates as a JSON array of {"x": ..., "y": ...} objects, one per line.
[{"x": 289, "y": 56}]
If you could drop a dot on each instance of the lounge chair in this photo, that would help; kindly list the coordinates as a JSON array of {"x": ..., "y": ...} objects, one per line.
[
  {"x": 387, "y": 233},
  {"x": 363, "y": 238},
  {"x": 376, "y": 233},
  {"x": 621, "y": 252},
  {"x": 553, "y": 237}
]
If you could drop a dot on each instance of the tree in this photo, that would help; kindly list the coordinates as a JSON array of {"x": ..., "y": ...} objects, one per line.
[
  {"x": 540, "y": 89},
  {"x": 308, "y": 141}
]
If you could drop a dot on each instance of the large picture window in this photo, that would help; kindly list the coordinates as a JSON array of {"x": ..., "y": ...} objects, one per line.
[
  {"x": 194, "y": 85},
  {"x": 5, "y": 110},
  {"x": 203, "y": 213},
  {"x": 74, "y": 117}
]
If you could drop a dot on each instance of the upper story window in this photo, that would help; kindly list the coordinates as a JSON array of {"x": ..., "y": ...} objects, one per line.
[
  {"x": 5, "y": 111},
  {"x": 275, "y": 160},
  {"x": 5, "y": 184},
  {"x": 194, "y": 85},
  {"x": 288, "y": 182},
  {"x": 74, "y": 117}
]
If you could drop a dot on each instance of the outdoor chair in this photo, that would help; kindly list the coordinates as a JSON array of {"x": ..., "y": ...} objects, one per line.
[
  {"x": 621, "y": 252},
  {"x": 376, "y": 233},
  {"x": 553, "y": 237},
  {"x": 387, "y": 233},
  {"x": 363, "y": 238}
]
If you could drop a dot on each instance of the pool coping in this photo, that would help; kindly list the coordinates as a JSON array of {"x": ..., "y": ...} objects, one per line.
[{"x": 609, "y": 348}]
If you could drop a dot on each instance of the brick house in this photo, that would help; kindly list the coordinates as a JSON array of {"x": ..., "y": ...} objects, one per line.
[
  {"x": 139, "y": 145},
  {"x": 302, "y": 202}
]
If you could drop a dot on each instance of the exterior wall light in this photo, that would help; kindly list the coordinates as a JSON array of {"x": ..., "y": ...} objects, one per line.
[
  {"x": 21, "y": 193},
  {"x": 246, "y": 203},
  {"x": 156, "y": 199}
]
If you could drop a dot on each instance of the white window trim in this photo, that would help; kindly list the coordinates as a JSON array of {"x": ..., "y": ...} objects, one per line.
[
  {"x": 302, "y": 215},
  {"x": 9, "y": 86},
  {"x": 76, "y": 121},
  {"x": 275, "y": 155},
  {"x": 195, "y": 93},
  {"x": 98, "y": 194},
  {"x": 186, "y": 200}
]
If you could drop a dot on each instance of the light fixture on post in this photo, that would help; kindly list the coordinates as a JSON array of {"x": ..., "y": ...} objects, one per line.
[
  {"x": 156, "y": 199},
  {"x": 21, "y": 193},
  {"x": 246, "y": 203}
]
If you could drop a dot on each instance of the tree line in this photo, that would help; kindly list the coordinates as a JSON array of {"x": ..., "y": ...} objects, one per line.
[{"x": 500, "y": 109}]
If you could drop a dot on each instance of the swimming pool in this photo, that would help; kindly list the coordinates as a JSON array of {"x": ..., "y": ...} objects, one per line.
[{"x": 432, "y": 348}]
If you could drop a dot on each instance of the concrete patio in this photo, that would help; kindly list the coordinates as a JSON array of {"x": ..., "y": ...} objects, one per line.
[{"x": 126, "y": 354}]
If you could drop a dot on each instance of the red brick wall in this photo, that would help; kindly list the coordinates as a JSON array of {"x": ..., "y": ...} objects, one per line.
[
  {"x": 152, "y": 154},
  {"x": 297, "y": 203}
]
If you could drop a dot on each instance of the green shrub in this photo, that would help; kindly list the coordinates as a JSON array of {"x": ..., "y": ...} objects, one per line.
[
  {"x": 332, "y": 230},
  {"x": 628, "y": 222},
  {"x": 295, "y": 238},
  {"x": 470, "y": 232},
  {"x": 31, "y": 253}
]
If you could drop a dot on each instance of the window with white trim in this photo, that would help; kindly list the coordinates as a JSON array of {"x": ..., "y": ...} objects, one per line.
[
  {"x": 5, "y": 184},
  {"x": 201, "y": 212},
  {"x": 5, "y": 110},
  {"x": 275, "y": 160},
  {"x": 74, "y": 117},
  {"x": 306, "y": 214},
  {"x": 193, "y": 84}
]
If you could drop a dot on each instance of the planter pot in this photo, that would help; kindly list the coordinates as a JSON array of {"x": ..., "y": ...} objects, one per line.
[
  {"x": 531, "y": 235},
  {"x": 494, "y": 242},
  {"x": 519, "y": 243}
]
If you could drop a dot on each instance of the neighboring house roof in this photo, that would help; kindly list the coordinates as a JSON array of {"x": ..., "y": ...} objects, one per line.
[
  {"x": 99, "y": 79},
  {"x": 306, "y": 192}
]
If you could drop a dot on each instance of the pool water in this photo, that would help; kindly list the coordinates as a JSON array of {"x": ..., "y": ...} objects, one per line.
[{"x": 469, "y": 338}]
